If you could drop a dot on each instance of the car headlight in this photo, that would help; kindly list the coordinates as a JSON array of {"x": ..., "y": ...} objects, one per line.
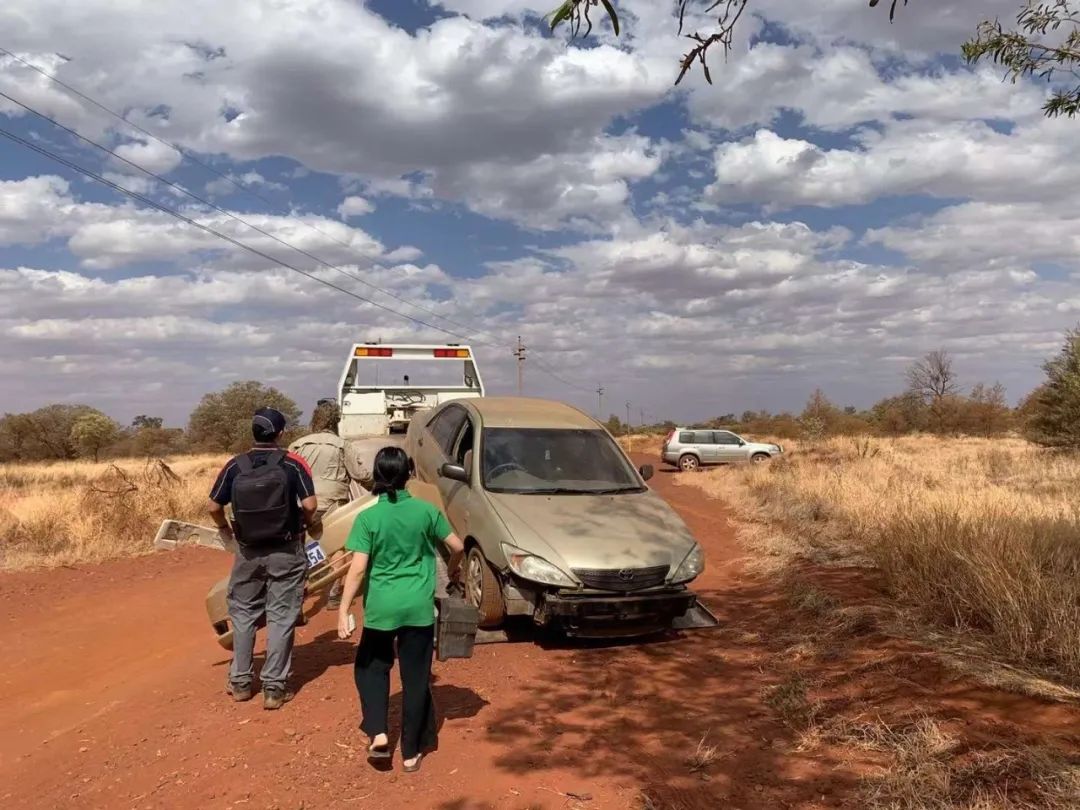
[
  {"x": 693, "y": 565},
  {"x": 535, "y": 569}
]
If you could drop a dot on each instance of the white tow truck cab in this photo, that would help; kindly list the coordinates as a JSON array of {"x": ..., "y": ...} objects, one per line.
[{"x": 374, "y": 407}]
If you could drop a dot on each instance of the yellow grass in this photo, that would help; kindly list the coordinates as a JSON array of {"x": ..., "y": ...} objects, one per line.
[
  {"x": 979, "y": 535},
  {"x": 68, "y": 512}
]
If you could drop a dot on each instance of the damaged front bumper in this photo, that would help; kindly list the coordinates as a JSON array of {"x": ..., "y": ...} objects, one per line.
[{"x": 591, "y": 615}]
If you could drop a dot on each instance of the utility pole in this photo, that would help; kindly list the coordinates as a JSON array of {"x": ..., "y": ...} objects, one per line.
[
  {"x": 519, "y": 353},
  {"x": 641, "y": 415},
  {"x": 599, "y": 402},
  {"x": 627, "y": 418}
]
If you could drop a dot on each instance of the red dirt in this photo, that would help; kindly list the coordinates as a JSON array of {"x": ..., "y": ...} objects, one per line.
[{"x": 113, "y": 698}]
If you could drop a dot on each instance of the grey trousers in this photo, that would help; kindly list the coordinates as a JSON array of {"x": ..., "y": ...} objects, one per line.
[{"x": 270, "y": 582}]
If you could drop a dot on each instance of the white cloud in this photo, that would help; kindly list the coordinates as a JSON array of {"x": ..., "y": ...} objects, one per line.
[
  {"x": 150, "y": 154},
  {"x": 969, "y": 159},
  {"x": 371, "y": 99},
  {"x": 108, "y": 237},
  {"x": 592, "y": 183},
  {"x": 995, "y": 234},
  {"x": 354, "y": 207},
  {"x": 838, "y": 88}
]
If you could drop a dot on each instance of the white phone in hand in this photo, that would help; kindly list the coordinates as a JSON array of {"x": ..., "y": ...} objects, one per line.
[{"x": 352, "y": 623}]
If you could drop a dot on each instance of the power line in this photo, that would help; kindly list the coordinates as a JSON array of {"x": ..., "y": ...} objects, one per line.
[
  {"x": 206, "y": 228},
  {"x": 181, "y": 189}
]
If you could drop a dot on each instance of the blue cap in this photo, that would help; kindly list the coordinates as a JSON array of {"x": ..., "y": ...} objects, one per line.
[{"x": 267, "y": 423}]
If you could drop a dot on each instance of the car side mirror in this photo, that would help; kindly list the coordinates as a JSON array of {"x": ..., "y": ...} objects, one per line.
[
  {"x": 646, "y": 471},
  {"x": 742, "y": 443},
  {"x": 454, "y": 472}
]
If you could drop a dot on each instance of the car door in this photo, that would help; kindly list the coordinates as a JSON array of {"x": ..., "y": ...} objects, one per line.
[
  {"x": 433, "y": 446},
  {"x": 458, "y": 497},
  {"x": 705, "y": 446},
  {"x": 728, "y": 447}
]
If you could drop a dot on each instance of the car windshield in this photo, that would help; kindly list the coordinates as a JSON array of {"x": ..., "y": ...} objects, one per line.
[{"x": 555, "y": 460}]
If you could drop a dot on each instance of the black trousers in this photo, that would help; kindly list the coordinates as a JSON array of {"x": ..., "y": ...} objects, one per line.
[{"x": 374, "y": 660}]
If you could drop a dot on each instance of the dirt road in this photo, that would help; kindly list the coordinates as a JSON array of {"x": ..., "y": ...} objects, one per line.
[{"x": 113, "y": 697}]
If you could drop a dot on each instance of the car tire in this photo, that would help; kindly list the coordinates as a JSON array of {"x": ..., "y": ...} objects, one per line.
[
  {"x": 758, "y": 458},
  {"x": 483, "y": 590},
  {"x": 689, "y": 463}
]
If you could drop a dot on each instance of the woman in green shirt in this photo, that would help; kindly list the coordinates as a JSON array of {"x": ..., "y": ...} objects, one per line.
[{"x": 394, "y": 542}]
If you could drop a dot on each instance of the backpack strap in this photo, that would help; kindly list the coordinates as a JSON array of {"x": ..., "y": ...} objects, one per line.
[
  {"x": 277, "y": 457},
  {"x": 243, "y": 461}
]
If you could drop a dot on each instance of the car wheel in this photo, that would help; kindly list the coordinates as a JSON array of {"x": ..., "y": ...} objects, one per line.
[
  {"x": 689, "y": 463},
  {"x": 757, "y": 458},
  {"x": 483, "y": 589}
]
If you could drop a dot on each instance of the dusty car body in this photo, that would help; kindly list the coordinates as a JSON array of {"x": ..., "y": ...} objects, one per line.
[{"x": 559, "y": 526}]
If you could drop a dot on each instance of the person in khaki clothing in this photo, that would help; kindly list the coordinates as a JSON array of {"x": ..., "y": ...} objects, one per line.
[{"x": 334, "y": 466}]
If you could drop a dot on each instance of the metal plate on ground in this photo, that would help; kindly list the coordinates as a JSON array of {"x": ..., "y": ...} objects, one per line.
[
  {"x": 174, "y": 533},
  {"x": 697, "y": 617}
]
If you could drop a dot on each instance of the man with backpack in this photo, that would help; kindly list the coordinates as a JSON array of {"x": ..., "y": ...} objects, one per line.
[{"x": 273, "y": 499}]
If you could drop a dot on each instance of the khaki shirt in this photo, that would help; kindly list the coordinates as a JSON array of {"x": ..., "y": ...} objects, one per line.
[{"x": 333, "y": 465}]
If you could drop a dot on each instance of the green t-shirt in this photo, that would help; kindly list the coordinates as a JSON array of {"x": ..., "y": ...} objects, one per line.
[{"x": 400, "y": 539}]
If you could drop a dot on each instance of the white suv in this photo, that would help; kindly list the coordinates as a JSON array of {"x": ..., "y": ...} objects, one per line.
[{"x": 690, "y": 448}]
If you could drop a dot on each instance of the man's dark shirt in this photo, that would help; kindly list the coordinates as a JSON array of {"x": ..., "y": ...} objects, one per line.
[{"x": 296, "y": 470}]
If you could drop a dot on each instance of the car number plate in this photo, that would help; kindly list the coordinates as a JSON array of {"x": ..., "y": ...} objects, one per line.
[{"x": 315, "y": 554}]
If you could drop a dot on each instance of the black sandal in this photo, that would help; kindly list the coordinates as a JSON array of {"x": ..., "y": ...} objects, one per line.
[{"x": 379, "y": 751}]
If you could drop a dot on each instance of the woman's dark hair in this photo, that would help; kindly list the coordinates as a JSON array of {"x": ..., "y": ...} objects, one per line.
[{"x": 393, "y": 468}]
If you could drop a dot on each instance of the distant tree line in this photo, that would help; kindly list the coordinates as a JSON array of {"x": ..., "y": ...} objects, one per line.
[
  {"x": 933, "y": 401},
  {"x": 221, "y": 422}
]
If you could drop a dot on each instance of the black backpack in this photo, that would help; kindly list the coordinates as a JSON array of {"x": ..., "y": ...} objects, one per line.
[{"x": 260, "y": 501}]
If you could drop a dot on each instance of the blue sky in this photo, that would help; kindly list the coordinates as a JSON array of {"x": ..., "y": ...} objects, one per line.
[{"x": 846, "y": 197}]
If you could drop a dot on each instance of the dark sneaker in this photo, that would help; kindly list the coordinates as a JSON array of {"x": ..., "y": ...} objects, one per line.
[
  {"x": 276, "y": 698},
  {"x": 240, "y": 693}
]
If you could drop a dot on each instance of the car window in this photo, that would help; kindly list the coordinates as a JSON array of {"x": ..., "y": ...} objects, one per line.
[
  {"x": 546, "y": 460},
  {"x": 723, "y": 437},
  {"x": 464, "y": 442},
  {"x": 444, "y": 427},
  {"x": 686, "y": 437},
  {"x": 703, "y": 437}
]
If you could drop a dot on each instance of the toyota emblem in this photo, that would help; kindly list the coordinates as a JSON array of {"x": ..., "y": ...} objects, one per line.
[{"x": 626, "y": 574}]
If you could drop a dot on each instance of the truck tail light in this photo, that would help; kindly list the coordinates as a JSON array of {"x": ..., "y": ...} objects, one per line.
[
  {"x": 462, "y": 353},
  {"x": 374, "y": 351}
]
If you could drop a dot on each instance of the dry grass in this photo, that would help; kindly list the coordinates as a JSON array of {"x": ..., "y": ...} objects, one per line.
[
  {"x": 931, "y": 770},
  {"x": 790, "y": 701},
  {"x": 703, "y": 756},
  {"x": 70, "y": 512},
  {"x": 979, "y": 536}
]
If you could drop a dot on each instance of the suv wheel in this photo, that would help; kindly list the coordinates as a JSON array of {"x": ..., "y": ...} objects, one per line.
[
  {"x": 757, "y": 458},
  {"x": 483, "y": 589},
  {"x": 689, "y": 463}
]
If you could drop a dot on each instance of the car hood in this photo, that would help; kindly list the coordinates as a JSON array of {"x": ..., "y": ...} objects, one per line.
[
  {"x": 763, "y": 447},
  {"x": 631, "y": 530}
]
